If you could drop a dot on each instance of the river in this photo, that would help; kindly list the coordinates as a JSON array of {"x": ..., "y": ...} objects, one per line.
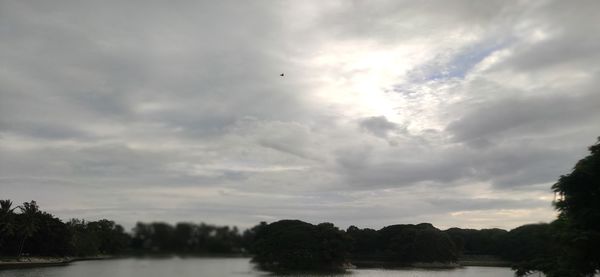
[{"x": 221, "y": 267}]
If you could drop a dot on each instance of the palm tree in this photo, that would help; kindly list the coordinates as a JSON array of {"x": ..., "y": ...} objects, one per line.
[
  {"x": 5, "y": 206},
  {"x": 29, "y": 212},
  {"x": 7, "y": 220}
]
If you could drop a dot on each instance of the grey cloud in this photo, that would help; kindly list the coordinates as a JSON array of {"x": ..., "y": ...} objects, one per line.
[
  {"x": 391, "y": 21},
  {"x": 378, "y": 126},
  {"x": 571, "y": 50},
  {"x": 102, "y": 161},
  {"x": 515, "y": 165},
  {"x": 97, "y": 71},
  {"x": 475, "y": 204},
  {"x": 46, "y": 130},
  {"x": 571, "y": 40},
  {"x": 399, "y": 173},
  {"x": 525, "y": 115}
]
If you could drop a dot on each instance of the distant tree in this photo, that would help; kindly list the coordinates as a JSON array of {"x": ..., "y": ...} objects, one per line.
[
  {"x": 51, "y": 238},
  {"x": 111, "y": 237},
  {"x": 401, "y": 245},
  {"x": 162, "y": 237},
  {"x": 406, "y": 244},
  {"x": 477, "y": 242},
  {"x": 184, "y": 239},
  {"x": 84, "y": 242},
  {"x": 7, "y": 221},
  {"x": 297, "y": 245},
  {"x": 333, "y": 247},
  {"x": 39, "y": 233},
  {"x": 529, "y": 247},
  {"x": 140, "y": 242},
  {"x": 223, "y": 240},
  {"x": 365, "y": 244},
  {"x": 249, "y": 237},
  {"x": 29, "y": 223}
]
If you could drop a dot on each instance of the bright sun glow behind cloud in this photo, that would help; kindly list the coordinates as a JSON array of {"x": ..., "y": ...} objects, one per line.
[
  {"x": 361, "y": 78},
  {"x": 358, "y": 75}
]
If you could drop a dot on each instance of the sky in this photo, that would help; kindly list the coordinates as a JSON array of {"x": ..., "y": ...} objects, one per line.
[{"x": 458, "y": 113}]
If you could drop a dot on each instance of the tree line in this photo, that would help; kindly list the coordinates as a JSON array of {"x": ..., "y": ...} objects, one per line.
[
  {"x": 296, "y": 245},
  {"x": 286, "y": 244},
  {"x": 25, "y": 230},
  {"x": 281, "y": 245}
]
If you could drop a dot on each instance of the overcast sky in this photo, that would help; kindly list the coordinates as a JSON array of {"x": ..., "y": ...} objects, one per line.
[{"x": 458, "y": 113}]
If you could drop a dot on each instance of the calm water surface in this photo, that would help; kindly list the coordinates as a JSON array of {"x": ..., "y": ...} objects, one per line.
[{"x": 220, "y": 267}]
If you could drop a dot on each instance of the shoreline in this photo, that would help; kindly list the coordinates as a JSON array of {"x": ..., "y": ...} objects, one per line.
[
  {"x": 35, "y": 262},
  {"x": 484, "y": 260},
  {"x": 490, "y": 262},
  {"x": 12, "y": 263},
  {"x": 388, "y": 264}
]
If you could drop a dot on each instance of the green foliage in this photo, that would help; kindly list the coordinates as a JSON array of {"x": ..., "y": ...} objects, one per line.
[
  {"x": 478, "y": 242},
  {"x": 402, "y": 245},
  {"x": 417, "y": 243},
  {"x": 8, "y": 226},
  {"x": 365, "y": 243},
  {"x": 249, "y": 237},
  {"x": 51, "y": 237},
  {"x": 297, "y": 245},
  {"x": 102, "y": 237},
  {"x": 37, "y": 233},
  {"x": 578, "y": 225},
  {"x": 530, "y": 248},
  {"x": 28, "y": 222},
  {"x": 569, "y": 246},
  {"x": 84, "y": 242},
  {"x": 185, "y": 238},
  {"x": 579, "y": 193}
]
